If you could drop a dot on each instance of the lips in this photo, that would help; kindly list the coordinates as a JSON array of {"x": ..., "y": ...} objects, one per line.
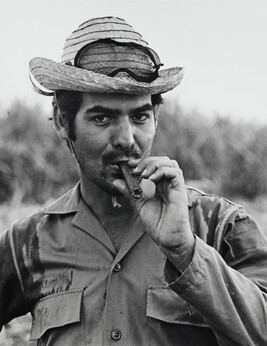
[{"x": 114, "y": 169}]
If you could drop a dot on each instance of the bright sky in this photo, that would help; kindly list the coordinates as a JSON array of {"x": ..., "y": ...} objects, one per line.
[{"x": 221, "y": 43}]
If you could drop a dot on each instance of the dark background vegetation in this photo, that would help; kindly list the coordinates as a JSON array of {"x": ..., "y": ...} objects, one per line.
[{"x": 229, "y": 157}]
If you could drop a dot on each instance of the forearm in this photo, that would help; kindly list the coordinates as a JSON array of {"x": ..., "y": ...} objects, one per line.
[
  {"x": 180, "y": 256},
  {"x": 232, "y": 305}
]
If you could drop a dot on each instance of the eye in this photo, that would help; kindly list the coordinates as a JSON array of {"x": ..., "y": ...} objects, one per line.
[
  {"x": 102, "y": 119},
  {"x": 141, "y": 118}
]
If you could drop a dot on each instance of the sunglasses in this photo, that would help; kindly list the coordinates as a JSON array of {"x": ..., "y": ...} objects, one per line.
[{"x": 111, "y": 58}]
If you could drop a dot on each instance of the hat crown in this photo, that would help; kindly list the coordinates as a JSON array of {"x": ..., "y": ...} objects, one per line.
[
  {"x": 127, "y": 64},
  {"x": 98, "y": 29}
]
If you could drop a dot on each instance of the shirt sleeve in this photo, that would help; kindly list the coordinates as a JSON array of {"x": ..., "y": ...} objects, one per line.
[
  {"x": 12, "y": 302},
  {"x": 230, "y": 290}
]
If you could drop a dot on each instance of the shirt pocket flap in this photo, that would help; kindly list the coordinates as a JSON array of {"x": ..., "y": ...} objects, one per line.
[
  {"x": 165, "y": 305},
  {"x": 54, "y": 311}
]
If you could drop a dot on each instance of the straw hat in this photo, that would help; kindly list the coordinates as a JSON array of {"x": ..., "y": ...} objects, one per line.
[{"x": 104, "y": 55}]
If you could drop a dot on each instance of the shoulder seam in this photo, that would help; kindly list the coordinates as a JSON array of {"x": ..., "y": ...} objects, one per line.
[
  {"x": 220, "y": 229},
  {"x": 211, "y": 195}
]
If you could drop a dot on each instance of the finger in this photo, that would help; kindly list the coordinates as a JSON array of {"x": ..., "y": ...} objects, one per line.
[
  {"x": 170, "y": 180},
  {"x": 152, "y": 159},
  {"x": 121, "y": 186},
  {"x": 149, "y": 165},
  {"x": 148, "y": 188},
  {"x": 161, "y": 173},
  {"x": 149, "y": 169},
  {"x": 142, "y": 161}
]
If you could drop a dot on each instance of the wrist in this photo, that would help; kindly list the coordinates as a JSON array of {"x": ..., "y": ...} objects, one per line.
[{"x": 180, "y": 255}]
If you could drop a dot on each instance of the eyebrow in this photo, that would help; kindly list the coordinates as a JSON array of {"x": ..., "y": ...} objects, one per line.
[
  {"x": 144, "y": 108},
  {"x": 114, "y": 111},
  {"x": 101, "y": 109}
]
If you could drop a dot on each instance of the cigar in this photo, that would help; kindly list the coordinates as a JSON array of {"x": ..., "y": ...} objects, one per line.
[{"x": 132, "y": 180}]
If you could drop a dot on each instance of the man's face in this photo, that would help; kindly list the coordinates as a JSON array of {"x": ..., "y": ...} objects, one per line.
[{"x": 111, "y": 128}]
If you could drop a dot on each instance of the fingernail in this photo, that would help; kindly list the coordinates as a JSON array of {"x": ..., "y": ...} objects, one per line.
[
  {"x": 144, "y": 172},
  {"x": 152, "y": 176}
]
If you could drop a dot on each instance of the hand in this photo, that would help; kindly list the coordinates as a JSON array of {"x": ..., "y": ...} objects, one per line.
[{"x": 166, "y": 214}]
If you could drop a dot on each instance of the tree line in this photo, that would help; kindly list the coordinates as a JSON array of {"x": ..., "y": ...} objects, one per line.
[{"x": 229, "y": 157}]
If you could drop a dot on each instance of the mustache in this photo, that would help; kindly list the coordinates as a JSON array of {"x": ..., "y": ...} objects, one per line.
[{"x": 118, "y": 154}]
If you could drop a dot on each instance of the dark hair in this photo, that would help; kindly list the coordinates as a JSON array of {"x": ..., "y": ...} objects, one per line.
[{"x": 69, "y": 103}]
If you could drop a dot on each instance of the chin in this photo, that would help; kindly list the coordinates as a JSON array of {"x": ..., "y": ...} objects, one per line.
[
  {"x": 112, "y": 190},
  {"x": 109, "y": 188}
]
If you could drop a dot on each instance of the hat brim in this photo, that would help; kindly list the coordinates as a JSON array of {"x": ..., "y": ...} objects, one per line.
[{"x": 55, "y": 76}]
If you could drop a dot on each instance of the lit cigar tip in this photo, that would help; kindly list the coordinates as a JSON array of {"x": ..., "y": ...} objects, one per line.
[
  {"x": 132, "y": 180},
  {"x": 137, "y": 193}
]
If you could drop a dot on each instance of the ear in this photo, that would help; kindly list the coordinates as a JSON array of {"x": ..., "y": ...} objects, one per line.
[{"x": 59, "y": 124}]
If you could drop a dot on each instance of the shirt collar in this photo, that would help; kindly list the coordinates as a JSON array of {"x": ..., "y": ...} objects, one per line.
[
  {"x": 68, "y": 203},
  {"x": 189, "y": 197}
]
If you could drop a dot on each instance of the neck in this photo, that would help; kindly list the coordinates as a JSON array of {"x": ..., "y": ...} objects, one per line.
[{"x": 102, "y": 202}]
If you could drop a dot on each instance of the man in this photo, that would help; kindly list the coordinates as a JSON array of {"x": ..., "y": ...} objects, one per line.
[{"x": 108, "y": 263}]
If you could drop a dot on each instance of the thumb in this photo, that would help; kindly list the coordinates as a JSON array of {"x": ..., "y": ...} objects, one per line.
[{"x": 122, "y": 187}]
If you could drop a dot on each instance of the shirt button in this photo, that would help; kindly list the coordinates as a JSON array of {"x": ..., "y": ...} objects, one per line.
[
  {"x": 116, "y": 334},
  {"x": 117, "y": 267}
]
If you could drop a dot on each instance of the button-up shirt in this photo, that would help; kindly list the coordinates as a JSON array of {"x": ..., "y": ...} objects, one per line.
[{"x": 60, "y": 265}]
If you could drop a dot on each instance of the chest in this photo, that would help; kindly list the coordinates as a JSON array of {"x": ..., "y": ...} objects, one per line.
[{"x": 117, "y": 229}]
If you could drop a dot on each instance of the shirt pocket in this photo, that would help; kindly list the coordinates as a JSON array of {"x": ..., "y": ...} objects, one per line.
[
  {"x": 165, "y": 305},
  {"x": 54, "y": 311}
]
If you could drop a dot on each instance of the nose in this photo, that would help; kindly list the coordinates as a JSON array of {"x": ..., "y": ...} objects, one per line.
[{"x": 123, "y": 136}]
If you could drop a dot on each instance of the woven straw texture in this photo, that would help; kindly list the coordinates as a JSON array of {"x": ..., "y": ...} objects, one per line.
[
  {"x": 97, "y": 29},
  {"x": 53, "y": 76}
]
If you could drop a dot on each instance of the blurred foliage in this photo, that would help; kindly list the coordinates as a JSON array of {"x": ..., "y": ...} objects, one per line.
[
  {"x": 229, "y": 157},
  {"x": 36, "y": 165}
]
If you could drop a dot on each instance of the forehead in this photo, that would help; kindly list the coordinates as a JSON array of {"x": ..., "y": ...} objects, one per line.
[{"x": 121, "y": 102}]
